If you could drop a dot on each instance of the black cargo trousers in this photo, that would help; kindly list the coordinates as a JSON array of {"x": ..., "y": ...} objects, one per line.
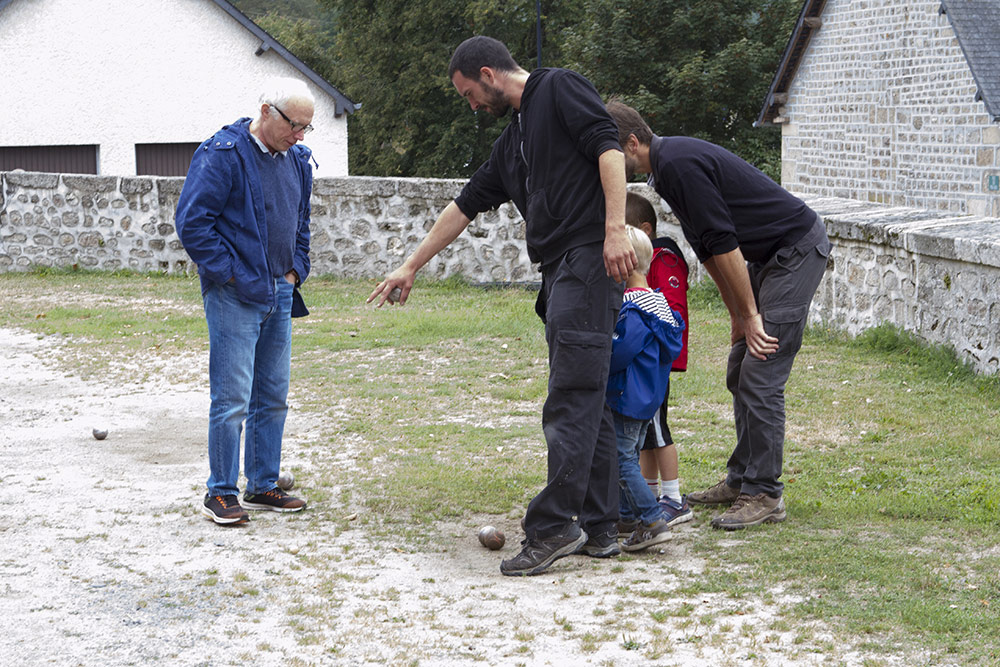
[{"x": 579, "y": 305}]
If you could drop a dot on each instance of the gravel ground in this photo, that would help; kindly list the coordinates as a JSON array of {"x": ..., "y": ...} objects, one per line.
[{"x": 108, "y": 561}]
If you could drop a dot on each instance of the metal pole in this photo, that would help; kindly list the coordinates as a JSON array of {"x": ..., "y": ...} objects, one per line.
[{"x": 538, "y": 29}]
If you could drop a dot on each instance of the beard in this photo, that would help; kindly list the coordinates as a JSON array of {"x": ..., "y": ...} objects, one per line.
[
  {"x": 496, "y": 102},
  {"x": 630, "y": 166}
]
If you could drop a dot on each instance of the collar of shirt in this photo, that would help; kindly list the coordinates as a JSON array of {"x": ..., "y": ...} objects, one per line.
[
  {"x": 261, "y": 146},
  {"x": 651, "y": 180}
]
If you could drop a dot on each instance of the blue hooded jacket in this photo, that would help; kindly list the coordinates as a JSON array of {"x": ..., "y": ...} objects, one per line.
[
  {"x": 220, "y": 214},
  {"x": 643, "y": 349}
]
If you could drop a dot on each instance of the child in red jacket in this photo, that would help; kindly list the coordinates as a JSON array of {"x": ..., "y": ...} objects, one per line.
[{"x": 668, "y": 272}]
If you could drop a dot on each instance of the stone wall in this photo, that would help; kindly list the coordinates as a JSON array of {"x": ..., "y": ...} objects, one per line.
[
  {"x": 89, "y": 222},
  {"x": 927, "y": 271},
  {"x": 883, "y": 108},
  {"x": 361, "y": 226}
]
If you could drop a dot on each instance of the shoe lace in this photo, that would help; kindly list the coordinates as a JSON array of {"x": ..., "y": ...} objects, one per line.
[
  {"x": 223, "y": 502},
  {"x": 743, "y": 499}
]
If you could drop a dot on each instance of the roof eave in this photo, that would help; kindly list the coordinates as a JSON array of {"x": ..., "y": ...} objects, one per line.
[
  {"x": 992, "y": 106},
  {"x": 797, "y": 44},
  {"x": 343, "y": 103}
]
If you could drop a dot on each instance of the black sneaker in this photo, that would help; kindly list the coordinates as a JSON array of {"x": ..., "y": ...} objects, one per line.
[
  {"x": 275, "y": 500},
  {"x": 601, "y": 545},
  {"x": 224, "y": 510},
  {"x": 536, "y": 555}
]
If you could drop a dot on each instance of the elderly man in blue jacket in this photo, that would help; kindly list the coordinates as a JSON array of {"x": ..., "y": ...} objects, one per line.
[{"x": 243, "y": 217}]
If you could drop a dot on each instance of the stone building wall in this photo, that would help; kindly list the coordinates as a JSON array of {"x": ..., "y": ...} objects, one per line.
[
  {"x": 927, "y": 271},
  {"x": 883, "y": 109}
]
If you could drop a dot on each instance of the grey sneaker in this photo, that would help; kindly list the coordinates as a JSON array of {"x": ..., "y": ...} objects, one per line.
[
  {"x": 720, "y": 494},
  {"x": 675, "y": 512},
  {"x": 646, "y": 535},
  {"x": 536, "y": 555},
  {"x": 627, "y": 527},
  {"x": 601, "y": 545},
  {"x": 751, "y": 511}
]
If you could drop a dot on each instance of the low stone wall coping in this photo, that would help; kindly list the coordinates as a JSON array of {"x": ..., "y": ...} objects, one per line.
[{"x": 942, "y": 234}]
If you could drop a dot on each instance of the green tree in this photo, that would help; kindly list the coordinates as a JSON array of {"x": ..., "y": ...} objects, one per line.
[
  {"x": 392, "y": 56},
  {"x": 692, "y": 67}
]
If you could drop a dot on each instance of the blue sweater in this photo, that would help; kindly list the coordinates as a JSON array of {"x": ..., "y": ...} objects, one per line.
[{"x": 643, "y": 349}]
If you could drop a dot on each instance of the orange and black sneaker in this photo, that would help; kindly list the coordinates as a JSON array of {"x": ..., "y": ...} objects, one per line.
[
  {"x": 275, "y": 500},
  {"x": 224, "y": 510}
]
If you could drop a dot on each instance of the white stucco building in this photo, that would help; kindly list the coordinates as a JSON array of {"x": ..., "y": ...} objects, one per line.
[{"x": 126, "y": 87}]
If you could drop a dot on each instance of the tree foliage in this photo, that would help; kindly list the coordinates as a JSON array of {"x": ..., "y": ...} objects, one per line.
[
  {"x": 692, "y": 67},
  {"x": 393, "y": 55}
]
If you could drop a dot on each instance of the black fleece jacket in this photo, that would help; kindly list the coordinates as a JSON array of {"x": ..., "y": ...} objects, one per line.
[
  {"x": 724, "y": 202},
  {"x": 546, "y": 162}
]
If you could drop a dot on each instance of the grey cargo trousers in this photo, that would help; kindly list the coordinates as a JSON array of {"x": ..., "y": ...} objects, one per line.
[{"x": 783, "y": 288}]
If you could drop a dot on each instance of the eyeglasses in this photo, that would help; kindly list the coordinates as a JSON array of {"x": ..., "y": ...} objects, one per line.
[{"x": 306, "y": 129}]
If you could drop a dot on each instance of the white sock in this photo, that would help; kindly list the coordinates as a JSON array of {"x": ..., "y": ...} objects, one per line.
[
  {"x": 654, "y": 485},
  {"x": 672, "y": 489}
]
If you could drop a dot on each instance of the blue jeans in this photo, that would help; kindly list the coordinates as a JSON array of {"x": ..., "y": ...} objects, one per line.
[
  {"x": 637, "y": 501},
  {"x": 250, "y": 347}
]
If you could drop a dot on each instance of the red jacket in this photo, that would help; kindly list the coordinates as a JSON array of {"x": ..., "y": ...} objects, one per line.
[{"x": 668, "y": 272}]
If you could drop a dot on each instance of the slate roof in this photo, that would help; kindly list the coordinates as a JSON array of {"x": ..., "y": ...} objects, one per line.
[
  {"x": 268, "y": 43},
  {"x": 807, "y": 23},
  {"x": 976, "y": 24}
]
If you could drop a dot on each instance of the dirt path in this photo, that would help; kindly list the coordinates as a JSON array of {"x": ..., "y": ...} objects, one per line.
[{"x": 106, "y": 560}]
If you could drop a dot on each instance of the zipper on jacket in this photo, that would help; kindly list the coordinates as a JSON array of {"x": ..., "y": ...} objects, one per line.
[{"x": 527, "y": 170}]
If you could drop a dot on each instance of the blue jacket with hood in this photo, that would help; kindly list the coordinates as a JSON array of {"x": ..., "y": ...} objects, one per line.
[
  {"x": 220, "y": 214},
  {"x": 643, "y": 350}
]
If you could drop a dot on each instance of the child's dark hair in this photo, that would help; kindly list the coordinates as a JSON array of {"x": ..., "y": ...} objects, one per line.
[{"x": 638, "y": 210}]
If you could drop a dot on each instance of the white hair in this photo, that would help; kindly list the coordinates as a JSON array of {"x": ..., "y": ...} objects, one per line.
[
  {"x": 643, "y": 248},
  {"x": 280, "y": 91}
]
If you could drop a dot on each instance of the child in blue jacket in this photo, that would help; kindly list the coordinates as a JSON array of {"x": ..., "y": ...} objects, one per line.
[{"x": 647, "y": 339}]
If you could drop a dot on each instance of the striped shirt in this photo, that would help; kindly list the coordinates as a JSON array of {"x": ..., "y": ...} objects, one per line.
[{"x": 651, "y": 302}]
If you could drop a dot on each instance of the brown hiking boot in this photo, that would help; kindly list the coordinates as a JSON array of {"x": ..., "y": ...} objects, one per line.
[
  {"x": 720, "y": 494},
  {"x": 751, "y": 511}
]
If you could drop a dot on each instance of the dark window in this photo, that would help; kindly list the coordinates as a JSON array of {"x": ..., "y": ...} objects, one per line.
[
  {"x": 163, "y": 159},
  {"x": 51, "y": 159}
]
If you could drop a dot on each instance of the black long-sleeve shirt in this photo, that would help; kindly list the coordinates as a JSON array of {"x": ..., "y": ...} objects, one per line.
[
  {"x": 546, "y": 162},
  {"x": 724, "y": 202}
]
